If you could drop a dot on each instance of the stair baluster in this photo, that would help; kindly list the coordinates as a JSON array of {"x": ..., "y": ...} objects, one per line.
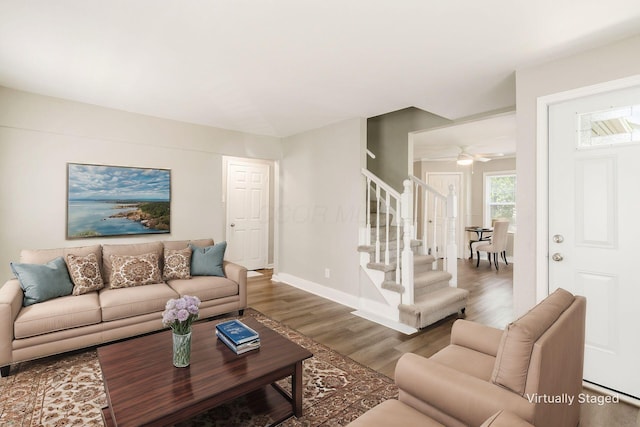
[{"x": 416, "y": 291}]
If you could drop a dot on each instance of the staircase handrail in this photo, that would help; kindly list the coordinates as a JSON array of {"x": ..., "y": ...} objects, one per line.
[
  {"x": 378, "y": 181},
  {"x": 427, "y": 187}
]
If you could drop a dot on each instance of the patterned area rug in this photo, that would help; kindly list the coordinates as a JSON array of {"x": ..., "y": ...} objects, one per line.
[{"x": 67, "y": 390}]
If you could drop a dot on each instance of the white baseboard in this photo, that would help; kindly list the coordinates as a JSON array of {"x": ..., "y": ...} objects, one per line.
[
  {"x": 396, "y": 326},
  {"x": 345, "y": 299},
  {"x": 317, "y": 289}
]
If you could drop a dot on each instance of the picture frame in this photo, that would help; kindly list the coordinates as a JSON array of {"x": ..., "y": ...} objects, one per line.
[{"x": 104, "y": 201}]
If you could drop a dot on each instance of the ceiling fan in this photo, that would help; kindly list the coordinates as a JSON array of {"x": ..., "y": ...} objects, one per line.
[{"x": 463, "y": 157}]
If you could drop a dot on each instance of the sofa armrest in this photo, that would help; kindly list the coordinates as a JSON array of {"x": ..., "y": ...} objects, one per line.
[
  {"x": 505, "y": 419},
  {"x": 435, "y": 389},
  {"x": 10, "y": 305},
  {"x": 476, "y": 336},
  {"x": 238, "y": 274}
]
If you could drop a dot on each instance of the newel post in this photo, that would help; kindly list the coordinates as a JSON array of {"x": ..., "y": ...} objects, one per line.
[
  {"x": 407, "y": 253},
  {"x": 452, "y": 247}
]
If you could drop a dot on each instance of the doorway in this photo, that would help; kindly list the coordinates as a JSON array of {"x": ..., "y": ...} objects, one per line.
[
  {"x": 593, "y": 201},
  {"x": 441, "y": 181},
  {"x": 249, "y": 206}
]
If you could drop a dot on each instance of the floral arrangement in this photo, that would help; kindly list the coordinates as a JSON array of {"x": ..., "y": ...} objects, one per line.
[{"x": 180, "y": 313}]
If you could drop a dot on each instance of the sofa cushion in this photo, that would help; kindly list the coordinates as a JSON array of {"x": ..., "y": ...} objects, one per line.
[
  {"x": 42, "y": 256},
  {"x": 128, "y": 302},
  {"x": 177, "y": 264},
  {"x": 516, "y": 346},
  {"x": 42, "y": 282},
  {"x": 207, "y": 261},
  {"x": 181, "y": 244},
  {"x": 58, "y": 314},
  {"x": 127, "y": 249},
  {"x": 85, "y": 273},
  {"x": 205, "y": 287},
  {"x": 134, "y": 270}
]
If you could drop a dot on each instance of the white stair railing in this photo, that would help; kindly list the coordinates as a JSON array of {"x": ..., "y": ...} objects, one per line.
[
  {"x": 435, "y": 205},
  {"x": 388, "y": 206},
  {"x": 401, "y": 210}
]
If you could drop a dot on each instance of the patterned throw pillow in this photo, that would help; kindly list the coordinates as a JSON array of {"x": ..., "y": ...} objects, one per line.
[
  {"x": 85, "y": 273},
  {"x": 177, "y": 264},
  {"x": 134, "y": 270}
]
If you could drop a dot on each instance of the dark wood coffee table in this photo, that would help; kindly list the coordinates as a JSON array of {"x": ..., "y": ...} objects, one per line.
[{"x": 144, "y": 388}]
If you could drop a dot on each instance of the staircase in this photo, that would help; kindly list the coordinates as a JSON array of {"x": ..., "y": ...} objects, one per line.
[{"x": 416, "y": 288}]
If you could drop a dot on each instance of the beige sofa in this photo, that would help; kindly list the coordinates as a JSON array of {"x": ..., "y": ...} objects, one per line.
[
  {"x": 77, "y": 321},
  {"x": 532, "y": 370}
]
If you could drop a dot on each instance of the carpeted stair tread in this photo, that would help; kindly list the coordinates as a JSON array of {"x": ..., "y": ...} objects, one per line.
[
  {"x": 429, "y": 278},
  {"x": 419, "y": 261},
  {"x": 433, "y": 306},
  {"x": 440, "y": 297},
  {"x": 392, "y": 247}
]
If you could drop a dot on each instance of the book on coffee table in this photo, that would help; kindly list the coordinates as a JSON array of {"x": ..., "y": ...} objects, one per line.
[
  {"x": 239, "y": 349},
  {"x": 236, "y": 332}
]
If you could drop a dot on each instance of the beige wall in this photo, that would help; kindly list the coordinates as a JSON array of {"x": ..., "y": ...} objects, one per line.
[
  {"x": 615, "y": 61},
  {"x": 320, "y": 207},
  {"x": 39, "y": 135}
]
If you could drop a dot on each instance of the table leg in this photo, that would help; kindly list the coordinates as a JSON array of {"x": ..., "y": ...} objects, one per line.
[{"x": 296, "y": 390}]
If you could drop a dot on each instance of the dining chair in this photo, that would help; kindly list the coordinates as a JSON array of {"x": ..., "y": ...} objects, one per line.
[{"x": 497, "y": 245}]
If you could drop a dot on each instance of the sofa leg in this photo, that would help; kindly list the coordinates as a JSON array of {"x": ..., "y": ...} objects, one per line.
[
  {"x": 241, "y": 312},
  {"x": 4, "y": 371}
]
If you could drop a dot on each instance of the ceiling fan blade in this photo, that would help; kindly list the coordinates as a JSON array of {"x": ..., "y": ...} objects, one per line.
[{"x": 481, "y": 159}]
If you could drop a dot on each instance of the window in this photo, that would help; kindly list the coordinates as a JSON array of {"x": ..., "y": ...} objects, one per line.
[{"x": 500, "y": 197}]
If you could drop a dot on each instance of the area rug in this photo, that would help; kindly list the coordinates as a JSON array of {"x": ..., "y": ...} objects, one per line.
[{"x": 67, "y": 390}]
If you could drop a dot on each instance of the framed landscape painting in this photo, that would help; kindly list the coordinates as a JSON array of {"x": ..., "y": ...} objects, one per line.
[{"x": 115, "y": 201}]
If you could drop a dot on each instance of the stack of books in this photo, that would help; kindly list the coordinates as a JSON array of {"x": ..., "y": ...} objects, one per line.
[{"x": 237, "y": 336}]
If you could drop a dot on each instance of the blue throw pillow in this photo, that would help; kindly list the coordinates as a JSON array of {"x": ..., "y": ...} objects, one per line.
[
  {"x": 208, "y": 261},
  {"x": 41, "y": 282}
]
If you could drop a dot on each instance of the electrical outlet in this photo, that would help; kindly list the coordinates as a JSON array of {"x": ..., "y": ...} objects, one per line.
[{"x": 327, "y": 273}]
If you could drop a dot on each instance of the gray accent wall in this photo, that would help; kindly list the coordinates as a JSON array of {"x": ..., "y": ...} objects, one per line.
[{"x": 388, "y": 139}]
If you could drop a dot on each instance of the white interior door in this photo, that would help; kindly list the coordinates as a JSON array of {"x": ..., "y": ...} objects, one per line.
[
  {"x": 594, "y": 201},
  {"x": 247, "y": 213},
  {"x": 441, "y": 182}
]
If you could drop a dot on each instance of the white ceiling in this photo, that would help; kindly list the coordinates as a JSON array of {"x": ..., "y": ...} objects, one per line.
[
  {"x": 279, "y": 67},
  {"x": 491, "y": 137}
]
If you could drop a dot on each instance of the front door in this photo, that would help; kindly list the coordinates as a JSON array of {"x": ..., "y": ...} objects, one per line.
[
  {"x": 247, "y": 213},
  {"x": 594, "y": 202}
]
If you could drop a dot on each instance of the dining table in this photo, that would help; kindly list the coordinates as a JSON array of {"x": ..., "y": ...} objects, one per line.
[{"x": 483, "y": 234}]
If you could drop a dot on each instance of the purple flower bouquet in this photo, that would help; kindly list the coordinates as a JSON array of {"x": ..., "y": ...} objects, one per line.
[{"x": 180, "y": 313}]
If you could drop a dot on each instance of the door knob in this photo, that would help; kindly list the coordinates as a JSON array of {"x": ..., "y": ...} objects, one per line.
[
  {"x": 233, "y": 224},
  {"x": 557, "y": 257},
  {"x": 558, "y": 238}
]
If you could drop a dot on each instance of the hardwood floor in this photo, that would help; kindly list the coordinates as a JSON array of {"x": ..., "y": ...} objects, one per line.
[
  {"x": 378, "y": 347},
  {"x": 373, "y": 345}
]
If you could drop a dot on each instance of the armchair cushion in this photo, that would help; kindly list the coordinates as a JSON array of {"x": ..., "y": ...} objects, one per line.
[
  {"x": 476, "y": 336},
  {"x": 505, "y": 419},
  {"x": 514, "y": 354},
  {"x": 393, "y": 413},
  {"x": 443, "y": 393}
]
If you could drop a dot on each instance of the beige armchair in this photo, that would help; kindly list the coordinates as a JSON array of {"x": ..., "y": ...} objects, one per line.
[{"x": 532, "y": 370}]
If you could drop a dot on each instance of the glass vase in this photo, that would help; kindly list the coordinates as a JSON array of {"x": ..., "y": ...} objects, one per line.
[{"x": 181, "y": 350}]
